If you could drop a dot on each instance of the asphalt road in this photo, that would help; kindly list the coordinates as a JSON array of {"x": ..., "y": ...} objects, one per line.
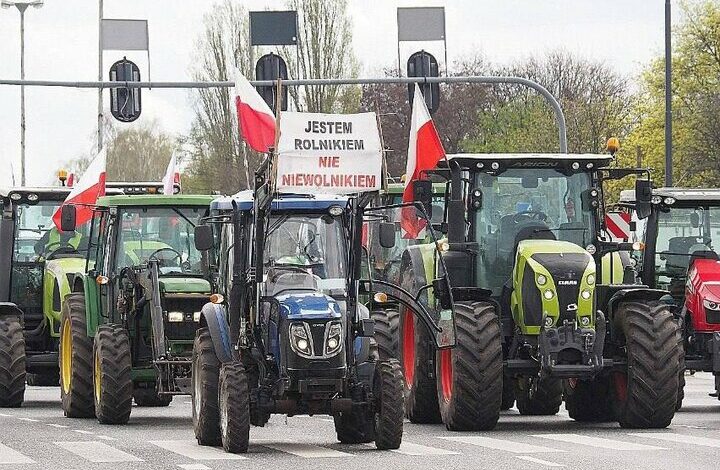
[{"x": 37, "y": 436}]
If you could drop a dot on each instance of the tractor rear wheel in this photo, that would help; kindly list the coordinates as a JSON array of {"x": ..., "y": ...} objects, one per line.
[
  {"x": 388, "y": 392},
  {"x": 12, "y": 362},
  {"x": 538, "y": 397},
  {"x": 205, "y": 377},
  {"x": 508, "y": 393},
  {"x": 588, "y": 400},
  {"x": 234, "y": 404},
  {"x": 646, "y": 393},
  {"x": 112, "y": 375},
  {"x": 470, "y": 376},
  {"x": 76, "y": 360},
  {"x": 148, "y": 397}
]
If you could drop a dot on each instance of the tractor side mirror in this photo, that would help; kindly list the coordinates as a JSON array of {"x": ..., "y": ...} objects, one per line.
[
  {"x": 203, "y": 237},
  {"x": 441, "y": 289},
  {"x": 68, "y": 215},
  {"x": 695, "y": 220},
  {"x": 387, "y": 234},
  {"x": 422, "y": 192},
  {"x": 643, "y": 198}
]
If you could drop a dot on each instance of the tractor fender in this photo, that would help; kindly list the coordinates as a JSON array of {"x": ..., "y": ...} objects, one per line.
[
  {"x": 633, "y": 293},
  {"x": 9, "y": 309},
  {"x": 213, "y": 316}
]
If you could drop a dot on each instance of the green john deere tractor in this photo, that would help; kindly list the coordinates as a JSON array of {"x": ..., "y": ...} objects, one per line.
[
  {"x": 545, "y": 309},
  {"x": 127, "y": 328}
]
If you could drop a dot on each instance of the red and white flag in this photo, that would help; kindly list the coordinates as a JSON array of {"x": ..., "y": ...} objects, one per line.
[
  {"x": 86, "y": 191},
  {"x": 424, "y": 152},
  {"x": 256, "y": 119},
  {"x": 172, "y": 176}
]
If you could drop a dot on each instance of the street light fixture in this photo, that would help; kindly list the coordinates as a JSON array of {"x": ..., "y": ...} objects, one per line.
[{"x": 22, "y": 6}]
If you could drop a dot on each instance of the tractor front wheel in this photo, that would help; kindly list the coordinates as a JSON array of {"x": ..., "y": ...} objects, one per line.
[
  {"x": 389, "y": 404},
  {"x": 470, "y": 376},
  {"x": 204, "y": 378},
  {"x": 112, "y": 375},
  {"x": 12, "y": 362},
  {"x": 538, "y": 397},
  {"x": 356, "y": 426},
  {"x": 147, "y": 397},
  {"x": 646, "y": 393},
  {"x": 588, "y": 401},
  {"x": 234, "y": 404},
  {"x": 76, "y": 360}
]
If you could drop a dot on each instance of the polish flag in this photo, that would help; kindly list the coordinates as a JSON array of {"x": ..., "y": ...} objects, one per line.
[
  {"x": 86, "y": 191},
  {"x": 172, "y": 176},
  {"x": 424, "y": 152},
  {"x": 256, "y": 119}
]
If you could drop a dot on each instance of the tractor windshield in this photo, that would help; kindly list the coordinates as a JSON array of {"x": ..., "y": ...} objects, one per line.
[
  {"x": 37, "y": 238},
  {"x": 682, "y": 232},
  {"x": 313, "y": 244},
  {"x": 165, "y": 234},
  {"x": 521, "y": 204}
]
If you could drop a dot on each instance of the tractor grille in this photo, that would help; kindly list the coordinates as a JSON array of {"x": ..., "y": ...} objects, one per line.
[
  {"x": 566, "y": 270},
  {"x": 532, "y": 303},
  {"x": 713, "y": 316}
]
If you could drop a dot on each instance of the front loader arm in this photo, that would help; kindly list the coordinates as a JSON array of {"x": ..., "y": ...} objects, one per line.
[{"x": 149, "y": 281}]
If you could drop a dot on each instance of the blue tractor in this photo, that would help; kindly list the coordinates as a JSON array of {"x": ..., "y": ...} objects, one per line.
[{"x": 289, "y": 329}]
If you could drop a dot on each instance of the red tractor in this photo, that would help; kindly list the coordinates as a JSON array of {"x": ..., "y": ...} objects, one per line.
[{"x": 682, "y": 242}]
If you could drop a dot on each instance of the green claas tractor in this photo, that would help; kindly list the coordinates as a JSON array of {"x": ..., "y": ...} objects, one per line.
[
  {"x": 127, "y": 327},
  {"x": 542, "y": 312}
]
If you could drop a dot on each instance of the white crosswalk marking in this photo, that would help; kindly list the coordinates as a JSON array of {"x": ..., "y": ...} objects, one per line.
[
  {"x": 408, "y": 448},
  {"x": 679, "y": 438},
  {"x": 546, "y": 463},
  {"x": 97, "y": 451},
  {"x": 28, "y": 420},
  {"x": 11, "y": 456},
  {"x": 193, "y": 466},
  {"x": 308, "y": 451},
  {"x": 192, "y": 450},
  {"x": 53, "y": 425},
  {"x": 596, "y": 442},
  {"x": 501, "y": 444}
]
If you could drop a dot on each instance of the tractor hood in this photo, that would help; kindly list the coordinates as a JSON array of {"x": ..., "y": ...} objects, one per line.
[
  {"x": 707, "y": 279},
  {"x": 308, "y": 306},
  {"x": 184, "y": 285}
]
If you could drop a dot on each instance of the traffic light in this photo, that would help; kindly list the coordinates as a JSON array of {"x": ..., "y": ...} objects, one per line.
[
  {"x": 424, "y": 64},
  {"x": 125, "y": 103},
  {"x": 271, "y": 67}
]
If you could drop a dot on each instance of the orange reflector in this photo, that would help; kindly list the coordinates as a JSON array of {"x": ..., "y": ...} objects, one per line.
[
  {"x": 380, "y": 297},
  {"x": 102, "y": 280},
  {"x": 217, "y": 298}
]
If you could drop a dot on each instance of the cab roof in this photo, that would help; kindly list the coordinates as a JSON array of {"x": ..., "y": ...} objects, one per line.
[
  {"x": 504, "y": 161},
  {"x": 155, "y": 200},
  {"x": 690, "y": 195},
  {"x": 44, "y": 193},
  {"x": 244, "y": 201}
]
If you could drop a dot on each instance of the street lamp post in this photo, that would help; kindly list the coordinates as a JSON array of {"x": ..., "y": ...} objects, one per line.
[{"x": 22, "y": 6}]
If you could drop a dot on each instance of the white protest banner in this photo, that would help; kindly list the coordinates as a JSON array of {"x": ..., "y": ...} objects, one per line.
[{"x": 329, "y": 153}]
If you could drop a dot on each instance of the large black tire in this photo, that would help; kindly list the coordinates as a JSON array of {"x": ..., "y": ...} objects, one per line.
[
  {"x": 112, "y": 367},
  {"x": 508, "y": 393},
  {"x": 470, "y": 376},
  {"x": 545, "y": 400},
  {"x": 389, "y": 401},
  {"x": 76, "y": 360},
  {"x": 205, "y": 378},
  {"x": 356, "y": 426},
  {"x": 588, "y": 401},
  {"x": 234, "y": 407},
  {"x": 12, "y": 362},
  {"x": 387, "y": 334},
  {"x": 46, "y": 379},
  {"x": 148, "y": 397},
  {"x": 646, "y": 394}
]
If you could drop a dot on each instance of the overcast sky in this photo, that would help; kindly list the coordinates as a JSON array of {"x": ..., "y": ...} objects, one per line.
[{"x": 62, "y": 36}]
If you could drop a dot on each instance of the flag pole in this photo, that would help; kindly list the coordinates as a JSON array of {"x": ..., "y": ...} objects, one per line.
[{"x": 274, "y": 154}]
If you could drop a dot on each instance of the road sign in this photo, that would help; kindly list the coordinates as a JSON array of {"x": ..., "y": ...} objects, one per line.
[{"x": 618, "y": 224}]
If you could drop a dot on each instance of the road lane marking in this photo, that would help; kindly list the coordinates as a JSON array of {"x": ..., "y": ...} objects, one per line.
[
  {"x": 193, "y": 466},
  {"x": 5, "y": 415},
  {"x": 408, "y": 448},
  {"x": 29, "y": 419},
  {"x": 307, "y": 451},
  {"x": 501, "y": 444},
  {"x": 11, "y": 456},
  {"x": 679, "y": 438},
  {"x": 546, "y": 463},
  {"x": 191, "y": 449},
  {"x": 53, "y": 425},
  {"x": 97, "y": 451},
  {"x": 596, "y": 442},
  {"x": 106, "y": 438},
  {"x": 82, "y": 431}
]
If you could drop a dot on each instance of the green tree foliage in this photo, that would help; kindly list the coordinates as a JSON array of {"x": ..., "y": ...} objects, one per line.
[{"x": 696, "y": 103}]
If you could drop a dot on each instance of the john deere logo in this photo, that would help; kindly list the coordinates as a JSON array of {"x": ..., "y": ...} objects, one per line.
[{"x": 568, "y": 282}]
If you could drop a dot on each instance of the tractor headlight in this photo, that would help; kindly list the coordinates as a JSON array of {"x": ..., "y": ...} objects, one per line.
[
  {"x": 541, "y": 280},
  {"x": 175, "y": 316},
  {"x": 710, "y": 305},
  {"x": 586, "y": 294},
  {"x": 333, "y": 338},
  {"x": 585, "y": 321},
  {"x": 196, "y": 317},
  {"x": 548, "y": 294},
  {"x": 669, "y": 201},
  {"x": 590, "y": 279},
  {"x": 300, "y": 339}
]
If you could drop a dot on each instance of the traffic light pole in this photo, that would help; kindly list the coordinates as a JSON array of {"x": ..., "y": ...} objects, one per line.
[
  {"x": 551, "y": 100},
  {"x": 100, "y": 78}
]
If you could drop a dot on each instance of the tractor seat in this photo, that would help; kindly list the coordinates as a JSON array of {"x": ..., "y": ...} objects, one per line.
[{"x": 677, "y": 261}]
